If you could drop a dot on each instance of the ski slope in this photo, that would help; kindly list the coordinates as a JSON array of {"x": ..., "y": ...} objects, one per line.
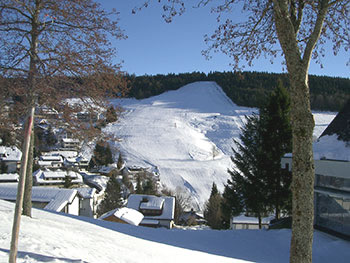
[{"x": 185, "y": 135}]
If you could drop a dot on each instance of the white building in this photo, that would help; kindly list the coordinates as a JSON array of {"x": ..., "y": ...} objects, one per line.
[
  {"x": 88, "y": 201},
  {"x": 247, "y": 222},
  {"x": 53, "y": 199},
  {"x": 157, "y": 211},
  {"x": 11, "y": 157},
  {"x": 57, "y": 177}
]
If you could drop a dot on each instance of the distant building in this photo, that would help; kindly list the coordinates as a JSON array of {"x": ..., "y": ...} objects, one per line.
[
  {"x": 53, "y": 199},
  {"x": 11, "y": 157},
  {"x": 9, "y": 178},
  {"x": 70, "y": 144},
  {"x": 247, "y": 222},
  {"x": 57, "y": 177},
  {"x": 157, "y": 211}
]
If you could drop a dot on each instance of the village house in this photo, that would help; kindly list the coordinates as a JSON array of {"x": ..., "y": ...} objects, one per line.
[
  {"x": 45, "y": 177},
  {"x": 247, "y": 222},
  {"x": 52, "y": 199},
  {"x": 70, "y": 144},
  {"x": 332, "y": 176},
  {"x": 11, "y": 157},
  {"x": 88, "y": 201},
  {"x": 157, "y": 211}
]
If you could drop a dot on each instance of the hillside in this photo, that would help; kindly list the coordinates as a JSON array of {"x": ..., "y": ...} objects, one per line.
[
  {"x": 59, "y": 238},
  {"x": 185, "y": 135}
]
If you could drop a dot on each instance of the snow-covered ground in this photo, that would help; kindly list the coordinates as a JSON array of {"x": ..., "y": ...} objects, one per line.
[
  {"x": 186, "y": 135},
  {"x": 53, "y": 238}
]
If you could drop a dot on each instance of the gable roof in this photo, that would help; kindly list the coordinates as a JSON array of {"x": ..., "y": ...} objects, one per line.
[
  {"x": 57, "y": 198},
  {"x": 10, "y": 154},
  {"x": 167, "y": 203},
  {"x": 340, "y": 124}
]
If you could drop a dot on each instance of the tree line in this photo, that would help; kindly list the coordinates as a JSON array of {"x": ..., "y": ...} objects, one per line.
[{"x": 247, "y": 88}]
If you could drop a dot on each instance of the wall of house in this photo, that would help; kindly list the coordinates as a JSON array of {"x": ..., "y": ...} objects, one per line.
[
  {"x": 73, "y": 208},
  {"x": 87, "y": 207}
]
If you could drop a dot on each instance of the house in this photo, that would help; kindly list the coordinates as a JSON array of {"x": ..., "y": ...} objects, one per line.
[
  {"x": 88, "y": 201},
  {"x": 9, "y": 178},
  {"x": 45, "y": 177},
  {"x": 123, "y": 215},
  {"x": 332, "y": 176},
  {"x": 192, "y": 217},
  {"x": 53, "y": 199},
  {"x": 54, "y": 161},
  {"x": 246, "y": 222},
  {"x": 11, "y": 157},
  {"x": 70, "y": 144},
  {"x": 157, "y": 211}
]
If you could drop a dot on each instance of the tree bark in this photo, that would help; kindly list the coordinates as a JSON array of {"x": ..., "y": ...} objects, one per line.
[
  {"x": 20, "y": 190},
  {"x": 27, "y": 199},
  {"x": 303, "y": 170}
]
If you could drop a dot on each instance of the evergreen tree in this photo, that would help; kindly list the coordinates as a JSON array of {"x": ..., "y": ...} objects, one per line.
[
  {"x": 247, "y": 179},
  {"x": 231, "y": 204},
  {"x": 276, "y": 135},
  {"x": 112, "y": 198},
  {"x": 120, "y": 161},
  {"x": 111, "y": 115},
  {"x": 212, "y": 212},
  {"x": 139, "y": 189},
  {"x": 102, "y": 155},
  {"x": 3, "y": 168},
  {"x": 149, "y": 187}
]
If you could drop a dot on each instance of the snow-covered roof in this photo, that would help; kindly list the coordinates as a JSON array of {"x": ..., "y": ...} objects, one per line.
[
  {"x": 128, "y": 215},
  {"x": 10, "y": 154},
  {"x": 56, "y": 158},
  {"x": 152, "y": 203},
  {"x": 65, "y": 154},
  {"x": 57, "y": 198},
  {"x": 167, "y": 203},
  {"x": 70, "y": 140},
  {"x": 86, "y": 192},
  {"x": 57, "y": 176},
  {"x": 329, "y": 147},
  {"x": 9, "y": 177}
]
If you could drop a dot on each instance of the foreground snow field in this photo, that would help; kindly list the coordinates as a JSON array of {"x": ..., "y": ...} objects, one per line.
[
  {"x": 186, "y": 135},
  {"x": 53, "y": 238}
]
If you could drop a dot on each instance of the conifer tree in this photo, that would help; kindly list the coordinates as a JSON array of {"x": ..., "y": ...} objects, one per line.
[
  {"x": 112, "y": 198},
  {"x": 247, "y": 179},
  {"x": 276, "y": 135},
  {"x": 212, "y": 212},
  {"x": 102, "y": 155}
]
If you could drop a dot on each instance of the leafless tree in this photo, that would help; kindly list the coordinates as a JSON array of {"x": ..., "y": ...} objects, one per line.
[
  {"x": 52, "y": 51},
  {"x": 297, "y": 30}
]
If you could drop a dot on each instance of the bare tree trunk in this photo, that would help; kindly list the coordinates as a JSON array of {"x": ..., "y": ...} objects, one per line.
[
  {"x": 27, "y": 201},
  {"x": 20, "y": 189}
]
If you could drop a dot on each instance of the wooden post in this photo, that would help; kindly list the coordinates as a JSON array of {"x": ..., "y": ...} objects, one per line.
[{"x": 20, "y": 188}]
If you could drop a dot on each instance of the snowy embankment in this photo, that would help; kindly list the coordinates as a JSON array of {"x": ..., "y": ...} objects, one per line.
[
  {"x": 53, "y": 238},
  {"x": 186, "y": 135}
]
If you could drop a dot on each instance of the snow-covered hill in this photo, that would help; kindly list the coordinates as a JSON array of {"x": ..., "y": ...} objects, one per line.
[
  {"x": 186, "y": 135},
  {"x": 60, "y": 238}
]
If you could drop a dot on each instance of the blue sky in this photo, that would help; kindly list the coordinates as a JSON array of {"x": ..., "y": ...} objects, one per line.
[{"x": 156, "y": 47}]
